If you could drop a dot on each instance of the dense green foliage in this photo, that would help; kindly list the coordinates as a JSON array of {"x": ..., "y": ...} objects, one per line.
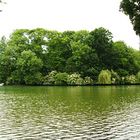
[
  {"x": 132, "y": 9},
  {"x": 104, "y": 77},
  {"x": 46, "y": 57}
]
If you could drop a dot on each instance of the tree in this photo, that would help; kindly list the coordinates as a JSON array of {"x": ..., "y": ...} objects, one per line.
[
  {"x": 124, "y": 59},
  {"x": 132, "y": 9},
  {"x": 101, "y": 40},
  {"x": 84, "y": 59},
  {"x": 104, "y": 77},
  {"x": 76, "y": 62},
  {"x": 58, "y": 50},
  {"x": 28, "y": 67},
  {"x": 5, "y": 60},
  {"x": 29, "y": 55},
  {"x": 35, "y": 40},
  {"x": 19, "y": 40},
  {"x": 24, "y": 39}
]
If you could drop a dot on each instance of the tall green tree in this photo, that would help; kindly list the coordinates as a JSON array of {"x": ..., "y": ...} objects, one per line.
[
  {"x": 58, "y": 50},
  {"x": 132, "y": 9},
  {"x": 35, "y": 40},
  {"x": 101, "y": 41},
  {"x": 29, "y": 55},
  {"x": 124, "y": 59},
  {"x": 28, "y": 67},
  {"x": 84, "y": 59}
]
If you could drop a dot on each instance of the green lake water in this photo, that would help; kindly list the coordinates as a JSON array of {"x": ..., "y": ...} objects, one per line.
[{"x": 96, "y": 113}]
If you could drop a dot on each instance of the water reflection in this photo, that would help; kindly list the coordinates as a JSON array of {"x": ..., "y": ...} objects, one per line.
[{"x": 70, "y": 112}]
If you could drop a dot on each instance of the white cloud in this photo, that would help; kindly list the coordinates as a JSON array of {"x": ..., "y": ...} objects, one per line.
[{"x": 68, "y": 15}]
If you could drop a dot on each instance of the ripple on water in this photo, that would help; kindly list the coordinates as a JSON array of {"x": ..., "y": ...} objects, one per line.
[{"x": 70, "y": 116}]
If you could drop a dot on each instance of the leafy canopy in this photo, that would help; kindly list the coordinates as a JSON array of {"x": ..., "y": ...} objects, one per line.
[{"x": 132, "y": 9}]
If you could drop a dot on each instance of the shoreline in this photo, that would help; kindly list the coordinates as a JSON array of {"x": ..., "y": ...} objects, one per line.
[{"x": 96, "y": 85}]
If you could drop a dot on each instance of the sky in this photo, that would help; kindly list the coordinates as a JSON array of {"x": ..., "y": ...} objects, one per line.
[{"x": 64, "y": 15}]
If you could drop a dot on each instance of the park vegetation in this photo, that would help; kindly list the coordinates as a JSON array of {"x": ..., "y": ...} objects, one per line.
[
  {"x": 132, "y": 9},
  {"x": 44, "y": 57}
]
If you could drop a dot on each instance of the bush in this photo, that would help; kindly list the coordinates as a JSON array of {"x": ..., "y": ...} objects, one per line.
[
  {"x": 130, "y": 79},
  {"x": 122, "y": 80},
  {"x": 93, "y": 73},
  {"x": 104, "y": 77},
  {"x": 88, "y": 81},
  {"x": 74, "y": 79},
  {"x": 34, "y": 79},
  {"x": 61, "y": 78},
  {"x": 138, "y": 77},
  {"x": 115, "y": 78},
  {"x": 50, "y": 78}
]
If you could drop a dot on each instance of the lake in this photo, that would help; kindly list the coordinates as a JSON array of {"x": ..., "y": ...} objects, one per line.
[{"x": 111, "y": 112}]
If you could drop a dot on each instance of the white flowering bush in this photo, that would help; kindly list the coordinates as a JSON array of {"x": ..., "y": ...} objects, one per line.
[
  {"x": 74, "y": 79},
  {"x": 131, "y": 79},
  {"x": 50, "y": 78}
]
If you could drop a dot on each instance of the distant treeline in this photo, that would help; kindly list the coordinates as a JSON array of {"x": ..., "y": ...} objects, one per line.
[{"x": 44, "y": 57}]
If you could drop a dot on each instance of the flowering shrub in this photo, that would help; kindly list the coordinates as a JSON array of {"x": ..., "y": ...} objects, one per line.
[
  {"x": 50, "y": 78},
  {"x": 130, "y": 79},
  {"x": 74, "y": 79}
]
